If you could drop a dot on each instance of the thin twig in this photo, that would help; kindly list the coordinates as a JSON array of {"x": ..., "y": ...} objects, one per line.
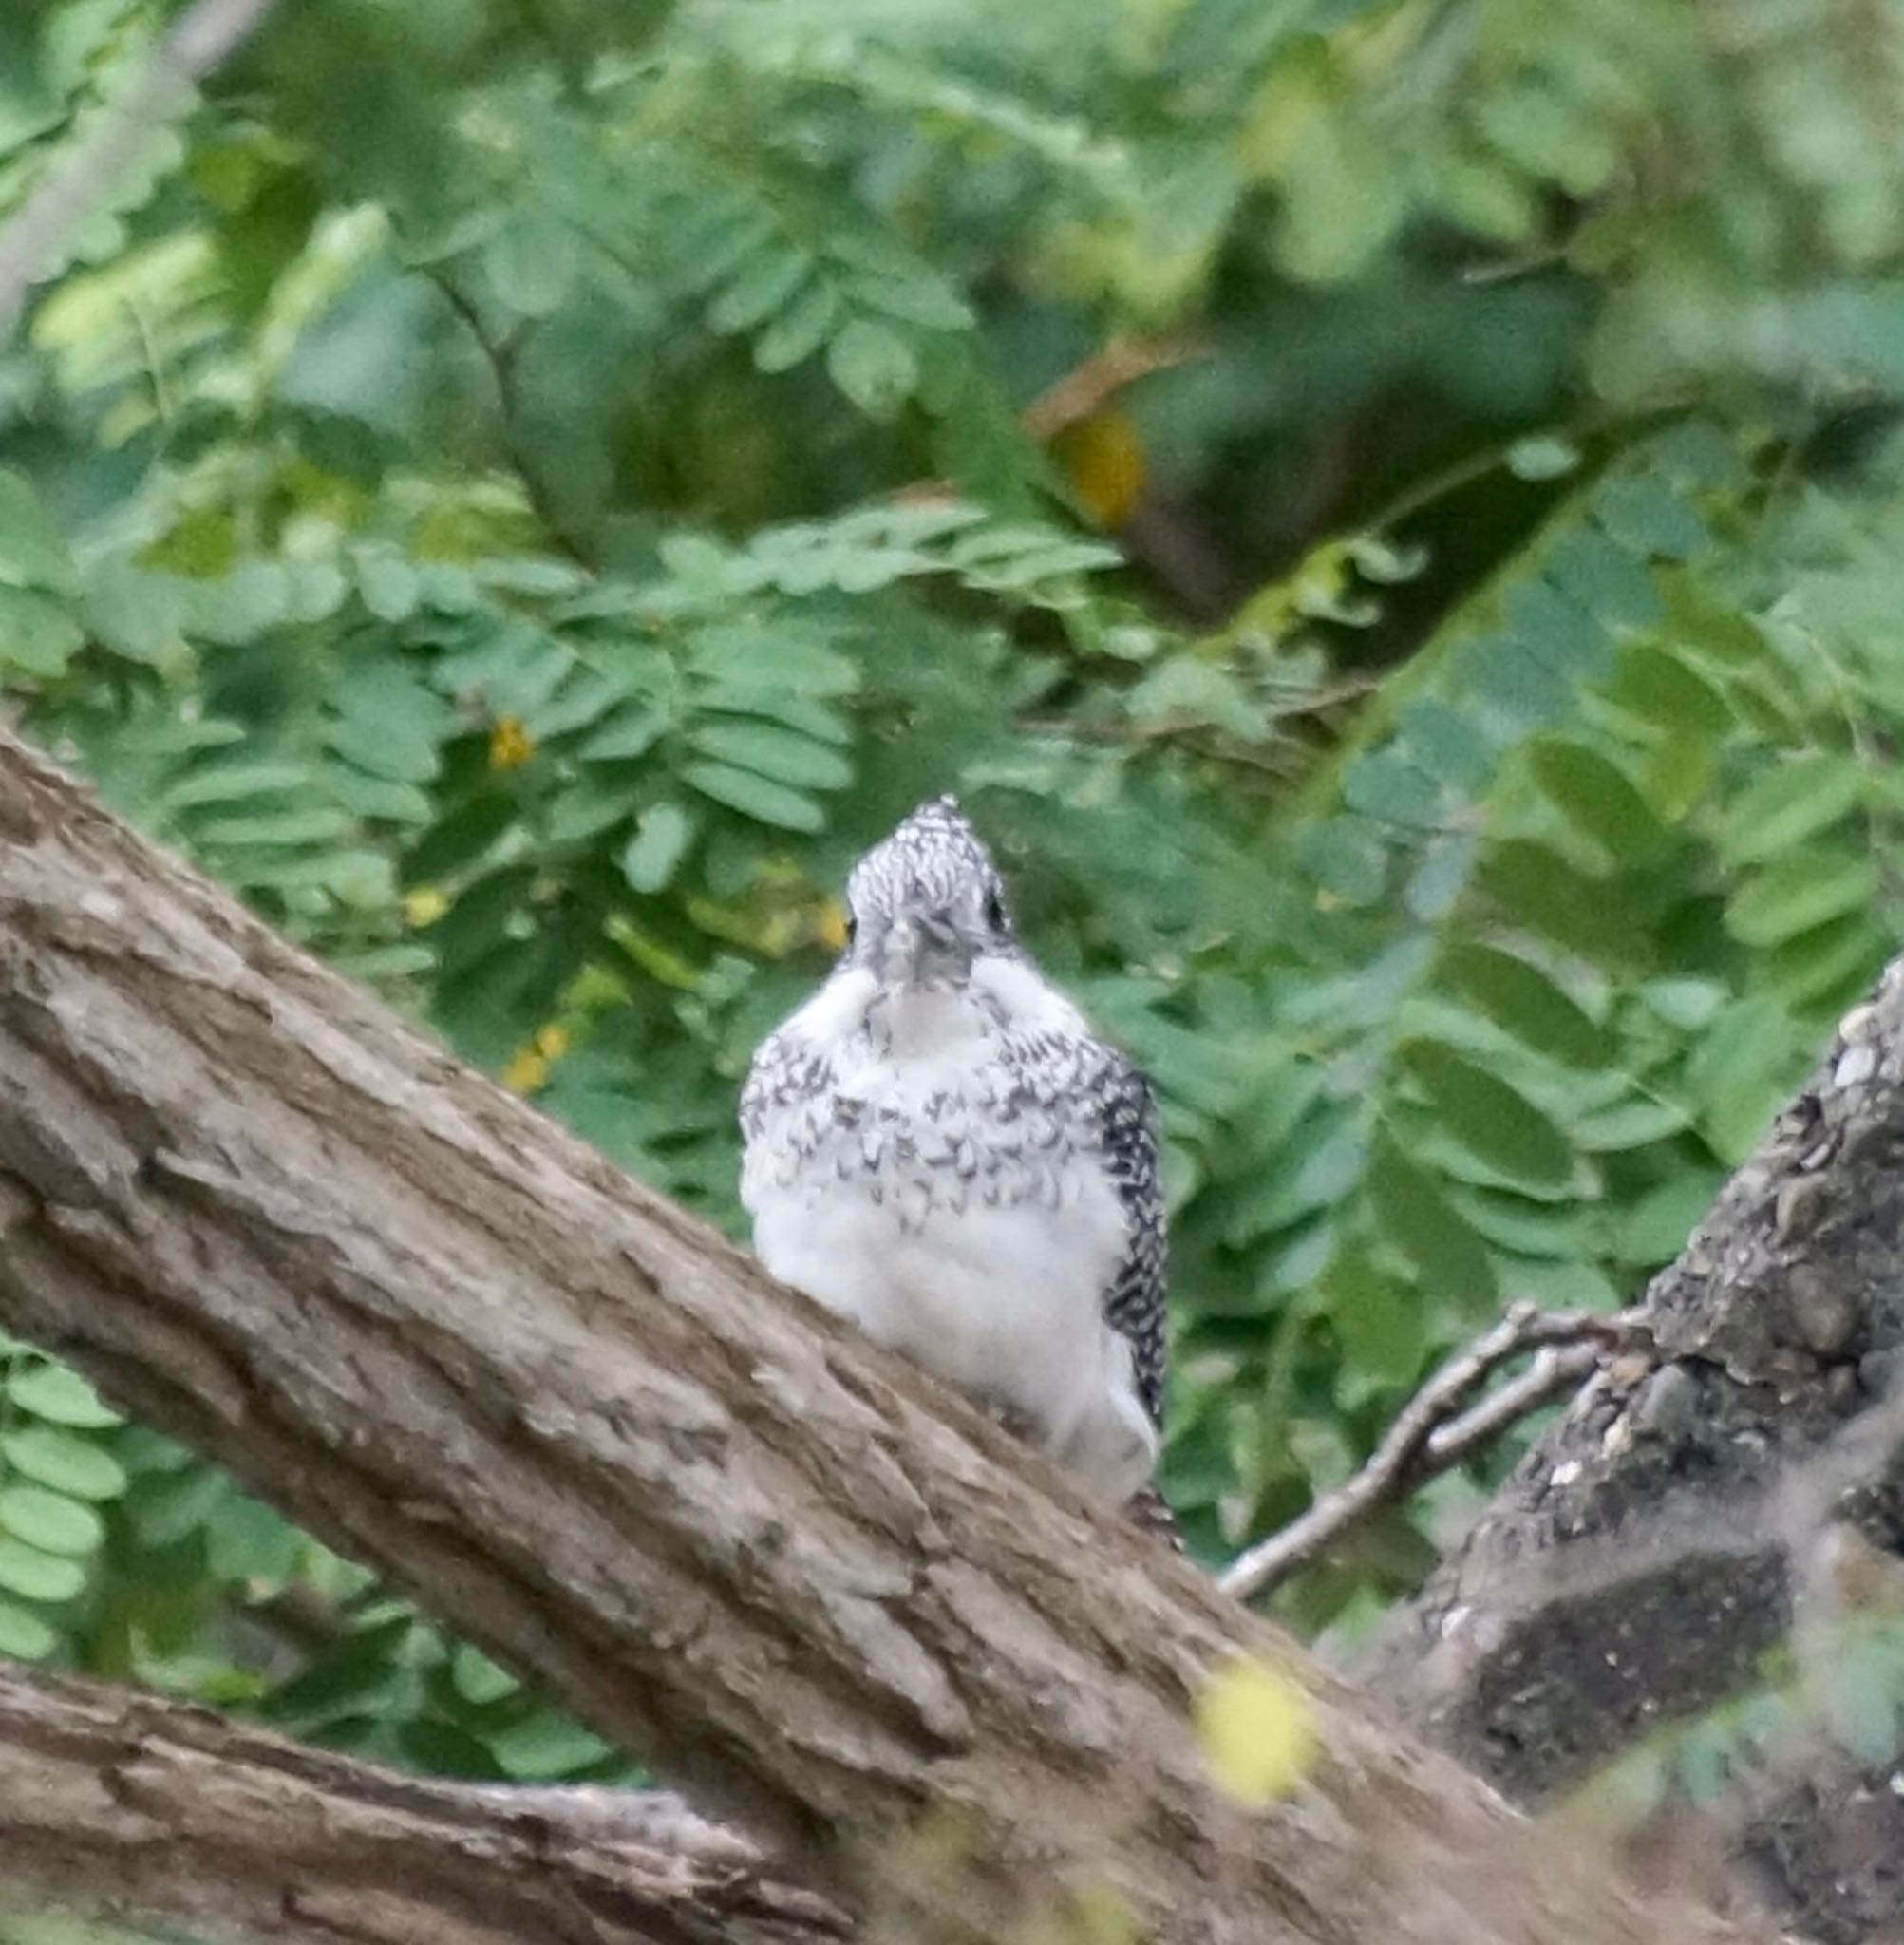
[
  {"x": 1431, "y": 1433},
  {"x": 500, "y": 355},
  {"x": 205, "y": 38},
  {"x": 1107, "y": 371},
  {"x": 1555, "y": 1372}
]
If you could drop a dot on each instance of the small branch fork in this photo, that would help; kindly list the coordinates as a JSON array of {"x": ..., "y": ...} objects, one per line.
[{"x": 1433, "y": 1433}]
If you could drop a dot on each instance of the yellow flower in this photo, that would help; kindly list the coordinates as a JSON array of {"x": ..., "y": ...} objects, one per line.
[
  {"x": 1259, "y": 1732},
  {"x": 510, "y": 744},
  {"x": 551, "y": 1043},
  {"x": 425, "y": 906},
  {"x": 527, "y": 1073}
]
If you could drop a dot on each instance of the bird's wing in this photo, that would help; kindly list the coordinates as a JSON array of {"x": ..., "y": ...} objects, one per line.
[{"x": 1136, "y": 1302}]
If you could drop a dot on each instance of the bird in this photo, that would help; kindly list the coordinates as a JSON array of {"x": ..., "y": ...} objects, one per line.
[{"x": 938, "y": 1147}]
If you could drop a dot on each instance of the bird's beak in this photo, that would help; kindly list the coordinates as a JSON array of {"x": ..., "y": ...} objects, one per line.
[
  {"x": 937, "y": 930},
  {"x": 923, "y": 946}
]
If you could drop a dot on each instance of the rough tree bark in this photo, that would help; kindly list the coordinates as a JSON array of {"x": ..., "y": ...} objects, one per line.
[
  {"x": 825, "y": 1596},
  {"x": 150, "y": 1806},
  {"x": 1667, "y": 1531}
]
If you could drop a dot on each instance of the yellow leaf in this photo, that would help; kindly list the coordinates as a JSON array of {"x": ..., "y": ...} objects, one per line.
[
  {"x": 425, "y": 906},
  {"x": 510, "y": 744},
  {"x": 831, "y": 927},
  {"x": 551, "y": 1043},
  {"x": 1258, "y": 1731},
  {"x": 1104, "y": 458}
]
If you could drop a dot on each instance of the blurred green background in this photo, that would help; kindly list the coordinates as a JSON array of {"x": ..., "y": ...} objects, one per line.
[{"x": 1392, "y": 515}]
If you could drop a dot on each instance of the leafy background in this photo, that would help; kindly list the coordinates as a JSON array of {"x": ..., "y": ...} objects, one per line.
[{"x": 1392, "y": 513}]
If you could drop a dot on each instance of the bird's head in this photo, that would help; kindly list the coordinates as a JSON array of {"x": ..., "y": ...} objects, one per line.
[{"x": 927, "y": 902}]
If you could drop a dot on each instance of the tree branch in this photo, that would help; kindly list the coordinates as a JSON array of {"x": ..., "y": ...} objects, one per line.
[
  {"x": 1654, "y": 1544},
  {"x": 201, "y": 41},
  {"x": 806, "y": 1583},
  {"x": 1430, "y": 1433},
  {"x": 133, "y": 1807}
]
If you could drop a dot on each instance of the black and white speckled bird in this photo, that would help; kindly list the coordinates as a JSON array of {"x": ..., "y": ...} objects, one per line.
[{"x": 938, "y": 1147}]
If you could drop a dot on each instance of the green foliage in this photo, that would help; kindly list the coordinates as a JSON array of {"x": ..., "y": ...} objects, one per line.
[{"x": 524, "y": 495}]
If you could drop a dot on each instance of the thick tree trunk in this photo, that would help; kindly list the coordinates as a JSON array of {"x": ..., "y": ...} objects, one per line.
[
  {"x": 1678, "y": 1519},
  {"x": 828, "y": 1597},
  {"x": 135, "y": 1807}
]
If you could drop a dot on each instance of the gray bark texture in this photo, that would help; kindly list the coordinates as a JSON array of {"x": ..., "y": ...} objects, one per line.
[
  {"x": 825, "y": 1598},
  {"x": 137, "y": 1806},
  {"x": 1703, "y": 1500}
]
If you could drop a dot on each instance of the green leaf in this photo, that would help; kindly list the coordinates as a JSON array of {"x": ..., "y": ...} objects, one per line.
[
  {"x": 1511, "y": 684},
  {"x": 245, "y": 1540},
  {"x": 1445, "y": 1252},
  {"x": 742, "y": 655},
  {"x": 1386, "y": 786},
  {"x": 136, "y": 615},
  {"x": 164, "y": 1508},
  {"x": 38, "y": 635},
  {"x": 1632, "y": 1124},
  {"x": 1542, "y": 457},
  {"x": 376, "y": 799},
  {"x": 64, "y": 1461},
  {"x": 50, "y": 1521},
  {"x": 874, "y": 367},
  {"x": 1382, "y": 1324},
  {"x": 1522, "y": 1000},
  {"x": 478, "y": 1679},
  {"x": 662, "y": 834},
  {"x": 1664, "y": 690},
  {"x": 882, "y": 273},
  {"x": 25, "y": 1636},
  {"x": 531, "y": 262},
  {"x": 759, "y": 798},
  {"x": 625, "y": 735},
  {"x": 232, "y": 782},
  {"x": 1822, "y": 969},
  {"x": 1788, "y": 804},
  {"x": 547, "y": 1746},
  {"x": 1184, "y": 690},
  {"x": 1347, "y": 857},
  {"x": 1645, "y": 514},
  {"x": 387, "y": 723},
  {"x": 60, "y": 1395},
  {"x": 1557, "y": 630},
  {"x": 1539, "y": 888},
  {"x": 1655, "y": 1228},
  {"x": 1597, "y": 799},
  {"x": 33, "y": 554},
  {"x": 388, "y": 585},
  {"x": 782, "y": 754},
  {"x": 36, "y": 1576},
  {"x": 1488, "y": 1118},
  {"x": 802, "y": 326},
  {"x": 1446, "y": 743},
  {"x": 762, "y": 288},
  {"x": 1799, "y": 891},
  {"x": 1609, "y": 582},
  {"x": 296, "y": 829}
]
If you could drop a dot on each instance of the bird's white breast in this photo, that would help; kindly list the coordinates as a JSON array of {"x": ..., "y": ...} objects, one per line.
[{"x": 955, "y": 1209}]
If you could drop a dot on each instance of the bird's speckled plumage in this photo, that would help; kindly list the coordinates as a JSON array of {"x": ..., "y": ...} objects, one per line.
[{"x": 939, "y": 1148}]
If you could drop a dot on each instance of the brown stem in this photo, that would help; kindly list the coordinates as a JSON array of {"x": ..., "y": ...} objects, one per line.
[
  {"x": 133, "y": 1805},
  {"x": 1430, "y": 1434}
]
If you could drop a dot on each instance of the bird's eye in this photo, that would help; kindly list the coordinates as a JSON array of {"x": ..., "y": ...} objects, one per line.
[
  {"x": 994, "y": 912},
  {"x": 852, "y": 927}
]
